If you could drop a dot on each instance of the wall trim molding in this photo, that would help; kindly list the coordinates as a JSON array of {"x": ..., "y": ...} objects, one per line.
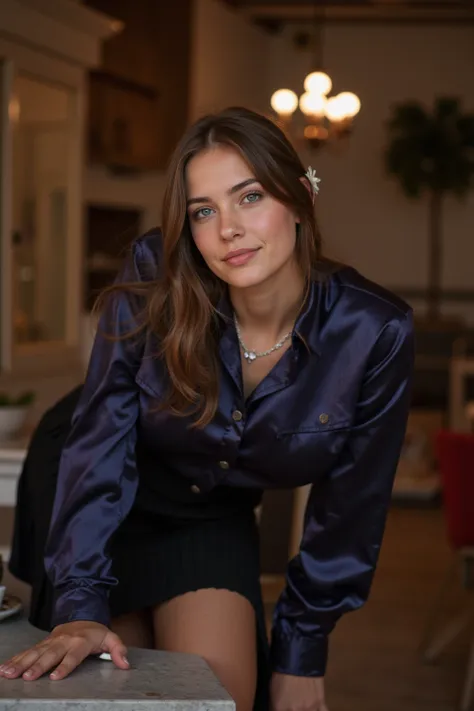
[
  {"x": 440, "y": 13},
  {"x": 66, "y": 30},
  {"x": 416, "y": 292}
]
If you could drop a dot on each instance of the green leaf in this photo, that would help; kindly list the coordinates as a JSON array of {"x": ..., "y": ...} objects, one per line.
[
  {"x": 23, "y": 400},
  {"x": 431, "y": 151},
  {"x": 26, "y": 398}
]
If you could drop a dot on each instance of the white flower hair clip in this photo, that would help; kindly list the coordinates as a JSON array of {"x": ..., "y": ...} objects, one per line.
[{"x": 313, "y": 179}]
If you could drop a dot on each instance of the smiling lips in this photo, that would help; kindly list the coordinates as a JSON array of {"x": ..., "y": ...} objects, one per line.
[{"x": 239, "y": 257}]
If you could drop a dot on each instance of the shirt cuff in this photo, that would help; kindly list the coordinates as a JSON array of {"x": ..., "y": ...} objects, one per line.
[
  {"x": 297, "y": 655},
  {"x": 81, "y": 602}
]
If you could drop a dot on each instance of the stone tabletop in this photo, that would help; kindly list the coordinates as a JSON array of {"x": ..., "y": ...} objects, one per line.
[{"x": 156, "y": 681}]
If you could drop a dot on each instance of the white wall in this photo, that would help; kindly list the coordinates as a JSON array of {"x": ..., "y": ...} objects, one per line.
[
  {"x": 364, "y": 217},
  {"x": 230, "y": 60}
]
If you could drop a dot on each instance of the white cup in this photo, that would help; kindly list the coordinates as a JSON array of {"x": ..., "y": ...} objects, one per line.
[{"x": 2, "y": 593}]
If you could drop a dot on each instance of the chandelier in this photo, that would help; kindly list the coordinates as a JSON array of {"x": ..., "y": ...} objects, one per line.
[{"x": 324, "y": 117}]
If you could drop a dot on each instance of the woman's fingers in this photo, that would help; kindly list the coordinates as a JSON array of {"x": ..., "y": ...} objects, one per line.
[
  {"x": 117, "y": 650},
  {"x": 15, "y": 666},
  {"x": 64, "y": 656},
  {"x": 73, "y": 658},
  {"x": 68, "y": 653},
  {"x": 51, "y": 657},
  {"x": 64, "y": 651}
]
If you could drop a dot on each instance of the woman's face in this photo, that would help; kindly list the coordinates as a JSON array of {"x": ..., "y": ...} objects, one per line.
[{"x": 245, "y": 235}]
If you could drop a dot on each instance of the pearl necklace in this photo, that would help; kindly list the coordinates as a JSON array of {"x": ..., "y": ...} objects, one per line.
[{"x": 251, "y": 355}]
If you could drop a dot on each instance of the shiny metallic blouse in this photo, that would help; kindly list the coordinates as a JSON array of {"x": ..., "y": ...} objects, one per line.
[{"x": 332, "y": 413}]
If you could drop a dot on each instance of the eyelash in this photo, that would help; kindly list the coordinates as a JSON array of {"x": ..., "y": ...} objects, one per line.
[{"x": 196, "y": 214}]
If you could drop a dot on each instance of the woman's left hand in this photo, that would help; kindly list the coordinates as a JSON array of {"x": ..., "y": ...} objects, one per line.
[{"x": 297, "y": 693}]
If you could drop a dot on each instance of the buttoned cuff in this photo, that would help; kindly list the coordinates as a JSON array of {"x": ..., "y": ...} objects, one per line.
[
  {"x": 81, "y": 602},
  {"x": 297, "y": 655}
]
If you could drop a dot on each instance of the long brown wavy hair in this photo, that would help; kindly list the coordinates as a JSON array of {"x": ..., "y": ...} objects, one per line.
[{"x": 180, "y": 305}]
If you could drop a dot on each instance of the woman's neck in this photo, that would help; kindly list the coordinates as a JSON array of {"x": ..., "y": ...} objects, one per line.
[{"x": 268, "y": 311}]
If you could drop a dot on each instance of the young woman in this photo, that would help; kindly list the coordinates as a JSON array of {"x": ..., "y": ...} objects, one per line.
[{"x": 230, "y": 358}]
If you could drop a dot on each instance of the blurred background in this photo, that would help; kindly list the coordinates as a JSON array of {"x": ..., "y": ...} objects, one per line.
[{"x": 378, "y": 97}]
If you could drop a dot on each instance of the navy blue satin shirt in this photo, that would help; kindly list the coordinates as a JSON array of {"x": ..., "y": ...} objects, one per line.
[{"x": 331, "y": 413}]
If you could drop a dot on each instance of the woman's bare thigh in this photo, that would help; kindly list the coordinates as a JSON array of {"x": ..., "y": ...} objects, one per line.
[
  {"x": 220, "y": 626},
  {"x": 135, "y": 629}
]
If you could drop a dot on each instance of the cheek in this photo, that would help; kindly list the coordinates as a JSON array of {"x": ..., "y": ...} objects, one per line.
[
  {"x": 207, "y": 244},
  {"x": 278, "y": 229},
  {"x": 203, "y": 240}
]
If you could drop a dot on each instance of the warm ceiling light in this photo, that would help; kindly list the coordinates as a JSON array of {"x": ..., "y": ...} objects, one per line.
[
  {"x": 318, "y": 82},
  {"x": 324, "y": 118},
  {"x": 312, "y": 104},
  {"x": 284, "y": 102},
  {"x": 350, "y": 103},
  {"x": 335, "y": 110}
]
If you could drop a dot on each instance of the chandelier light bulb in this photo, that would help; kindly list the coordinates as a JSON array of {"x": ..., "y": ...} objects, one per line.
[
  {"x": 312, "y": 104},
  {"x": 350, "y": 103},
  {"x": 335, "y": 110},
  {"x": 318, "y": 83},
  {"x": 284, "y": 102}
]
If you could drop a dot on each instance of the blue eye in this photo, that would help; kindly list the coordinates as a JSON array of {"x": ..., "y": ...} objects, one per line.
[
  {"x": 202, "y": 213},
  {"x": 253, "y": 197}
]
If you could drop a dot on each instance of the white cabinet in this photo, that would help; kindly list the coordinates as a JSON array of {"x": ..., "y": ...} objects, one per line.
[{"x": 46, "y": 49}]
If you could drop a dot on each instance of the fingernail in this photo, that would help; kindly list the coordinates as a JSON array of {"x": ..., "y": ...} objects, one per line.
[
  {"x": 54, "y": 675},
  {"x": 126, "y": 661},
  {"x": 28, "y": 674},
  {"x": 10, "y": 671}
]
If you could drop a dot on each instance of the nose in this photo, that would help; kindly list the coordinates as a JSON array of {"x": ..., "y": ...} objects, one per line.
[{"x": 230, "y": 226}]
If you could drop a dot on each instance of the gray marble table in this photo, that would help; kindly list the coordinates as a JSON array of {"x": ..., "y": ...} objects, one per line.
[{"x": 156, "y": 681}]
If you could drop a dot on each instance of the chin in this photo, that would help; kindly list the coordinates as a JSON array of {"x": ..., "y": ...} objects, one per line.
[{"x": 244, "y": 280}]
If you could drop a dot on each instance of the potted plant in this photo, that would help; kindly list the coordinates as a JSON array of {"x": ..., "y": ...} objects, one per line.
[
  {"x": 432, "y": 153},
  {"x": 13, "y": 413}
]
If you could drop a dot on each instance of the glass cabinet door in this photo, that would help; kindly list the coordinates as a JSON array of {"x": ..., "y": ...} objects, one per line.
[{"x": 41, "y": 132}]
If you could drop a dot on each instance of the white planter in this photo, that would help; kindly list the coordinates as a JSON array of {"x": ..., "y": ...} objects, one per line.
[{"x": 12, "y": 420}]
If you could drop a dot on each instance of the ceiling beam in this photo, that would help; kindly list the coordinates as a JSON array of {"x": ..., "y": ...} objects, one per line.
[{"x": 386, "y": 12}]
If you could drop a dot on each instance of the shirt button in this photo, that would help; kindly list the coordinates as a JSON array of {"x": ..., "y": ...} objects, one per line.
[
  {"x": 323, "y": 418},
  {"x": 224, "y": 465},
  {"x": 237, "y": 416},
  {"x": 195, "y": 489}
]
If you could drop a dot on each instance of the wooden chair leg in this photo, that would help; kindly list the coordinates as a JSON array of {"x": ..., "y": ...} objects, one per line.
[
  {"x": 468, "y": 688},
  {"x": 452, "y": 630},
  {"x": 433, "y": 617}
]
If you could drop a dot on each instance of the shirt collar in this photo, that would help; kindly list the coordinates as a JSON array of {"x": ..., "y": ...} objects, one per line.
[{"x": 308, "y": 322}]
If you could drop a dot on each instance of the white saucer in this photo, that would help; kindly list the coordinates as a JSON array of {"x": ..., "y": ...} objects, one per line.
[{"x": 11, "y": 606}]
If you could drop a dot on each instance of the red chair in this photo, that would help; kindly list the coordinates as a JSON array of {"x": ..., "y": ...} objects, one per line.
[{"x": 455, "y": 455}]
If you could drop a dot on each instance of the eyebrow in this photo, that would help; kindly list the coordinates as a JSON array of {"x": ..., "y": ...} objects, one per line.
[{"x": 234, "y": 189}]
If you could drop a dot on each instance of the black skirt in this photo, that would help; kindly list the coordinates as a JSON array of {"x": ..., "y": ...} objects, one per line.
[{"x": 158, "y": 557}]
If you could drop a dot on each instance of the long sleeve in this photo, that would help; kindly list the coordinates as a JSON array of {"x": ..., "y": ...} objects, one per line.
[
  {"x": 97, "y": 478},
  {"x": 346, "y": 514}
]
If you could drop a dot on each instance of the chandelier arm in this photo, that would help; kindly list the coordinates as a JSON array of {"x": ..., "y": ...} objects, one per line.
[{"x": 317, "y": 37}]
